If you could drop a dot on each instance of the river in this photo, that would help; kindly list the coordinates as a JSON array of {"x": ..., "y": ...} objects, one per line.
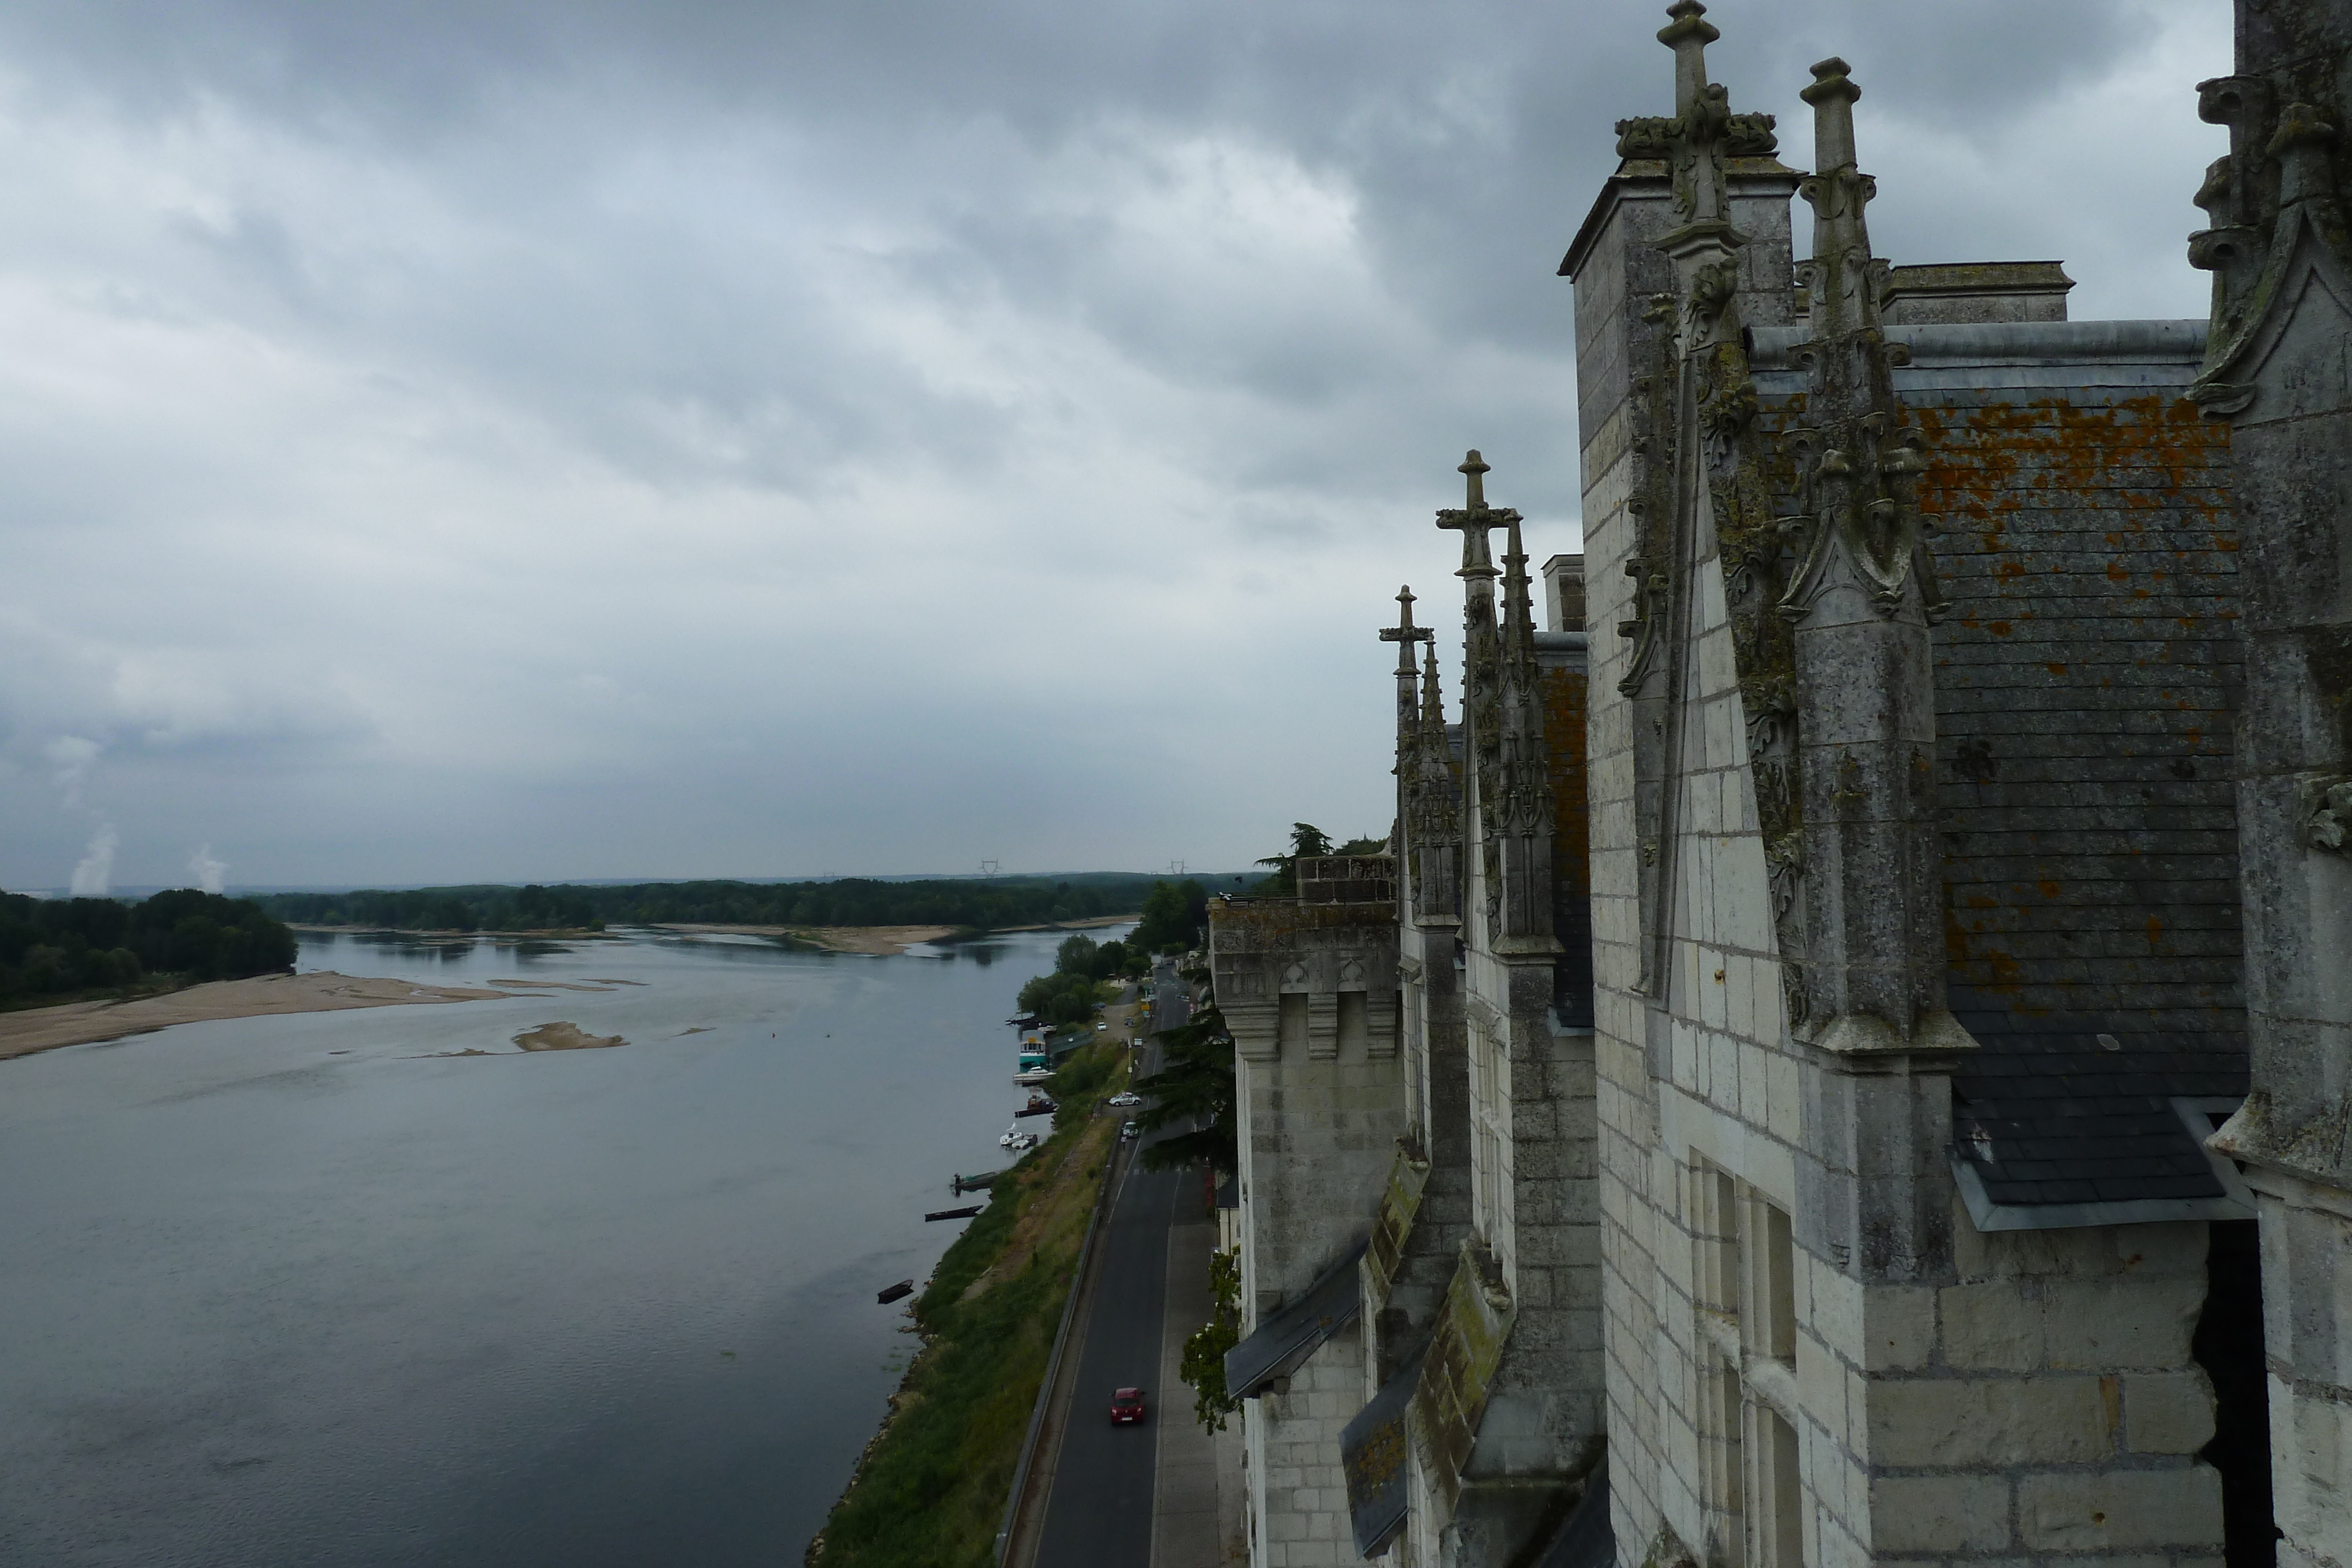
[{"x": 302, "y": 1293}]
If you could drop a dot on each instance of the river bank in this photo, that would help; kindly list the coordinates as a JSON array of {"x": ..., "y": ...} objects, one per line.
[
  {"x": 871, "y": 941},
  {"x": 887, "y": 941},
  {"x": 931, "y": 1487}
]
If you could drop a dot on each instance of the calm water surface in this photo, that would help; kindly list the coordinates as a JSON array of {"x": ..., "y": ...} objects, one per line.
[{"x": 297, "y": 1291}]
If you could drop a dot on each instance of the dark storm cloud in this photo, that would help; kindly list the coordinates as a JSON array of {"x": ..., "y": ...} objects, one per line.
[{"x": 509, "y": 439}]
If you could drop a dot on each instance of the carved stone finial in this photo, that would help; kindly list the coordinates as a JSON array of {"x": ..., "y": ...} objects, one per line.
[
  {"x": 1842, "y": 274},
  {"x": 1688, "y": 35},
  {"x": 1474, "y": 519},
  {"x": 1475, "y": 467},
  {"x": 1832, "y": 95},
  {"x": 1404, "y": 634}
]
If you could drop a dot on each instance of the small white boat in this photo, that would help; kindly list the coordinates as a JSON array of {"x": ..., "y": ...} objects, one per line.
[{"x": 1033, "y": 1076}]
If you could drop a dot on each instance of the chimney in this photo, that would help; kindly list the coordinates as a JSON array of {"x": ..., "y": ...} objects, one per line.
[{"x": 1563, "y": 577}]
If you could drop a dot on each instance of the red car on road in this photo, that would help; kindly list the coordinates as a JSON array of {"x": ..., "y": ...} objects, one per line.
[{"x": 1126, "y": 1406}]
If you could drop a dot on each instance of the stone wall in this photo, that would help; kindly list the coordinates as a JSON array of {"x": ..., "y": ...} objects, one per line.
[
  {"x": 1812, "y": 1354},
  {"x": 1291, "y": 1438},
  {"x": 2276, "y": 371},
  {"x": 1308, "y": 990}
]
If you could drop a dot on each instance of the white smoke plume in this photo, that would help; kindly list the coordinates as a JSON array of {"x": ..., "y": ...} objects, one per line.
[
  {"x": 211, "y": 874},
  {"x": 96, "y": 873}
]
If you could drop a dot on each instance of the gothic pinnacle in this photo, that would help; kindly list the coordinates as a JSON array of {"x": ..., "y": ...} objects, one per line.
[
  {"x": 1832, "y": 95},
  {"x": 1474, "y": 519},
  {"x": 1688, "y": 35},
  {"x": 1518, "y": 607},
  {"x": 1475, "y": 467},
  {"x": 1404, "y": 634},
  {"x": 1844, "y": 292},
  {"x": 1433, "y": 701}
]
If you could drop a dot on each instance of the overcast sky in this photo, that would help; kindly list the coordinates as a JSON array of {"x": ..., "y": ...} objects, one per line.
[{"x": 530, "y": 439}]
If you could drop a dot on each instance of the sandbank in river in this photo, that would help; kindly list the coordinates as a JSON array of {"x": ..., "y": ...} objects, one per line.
[{"x": 84, "y": 1023}]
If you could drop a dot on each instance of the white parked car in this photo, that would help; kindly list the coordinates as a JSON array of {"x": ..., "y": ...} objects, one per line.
[{"x": 1126, "y": 1097}]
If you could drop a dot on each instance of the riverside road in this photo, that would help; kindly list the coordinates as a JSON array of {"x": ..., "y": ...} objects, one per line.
[{"x": 1099, "y": 1513}]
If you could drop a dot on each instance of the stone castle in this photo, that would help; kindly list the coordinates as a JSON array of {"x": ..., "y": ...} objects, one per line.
[{"x": 1849, "y": 1058}]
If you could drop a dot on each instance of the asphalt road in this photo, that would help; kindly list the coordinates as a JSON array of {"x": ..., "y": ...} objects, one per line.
[{"x": 1099, "y": 1514}]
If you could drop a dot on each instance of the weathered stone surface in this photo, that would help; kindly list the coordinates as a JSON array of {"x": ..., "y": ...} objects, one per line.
[
  {"x": 1939, "y": 1514},
  {"x": 2108, "y": 1510}
]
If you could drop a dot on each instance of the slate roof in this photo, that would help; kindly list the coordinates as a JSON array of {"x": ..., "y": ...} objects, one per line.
[
  {"x": 2085, "y": 676},
  {"x": 1288, "y": 1336},
  {"x": 1372, "y": 1457},
  {"x": 1587, "y": 1539},
  {"x": 2064, "y": 1120}
]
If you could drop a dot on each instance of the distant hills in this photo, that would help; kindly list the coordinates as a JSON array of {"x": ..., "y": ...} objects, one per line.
[{"x": 976, "y": 902}]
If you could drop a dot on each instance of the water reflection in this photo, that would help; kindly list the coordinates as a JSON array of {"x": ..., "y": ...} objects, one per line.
[{"x": 305, "y": 1290}]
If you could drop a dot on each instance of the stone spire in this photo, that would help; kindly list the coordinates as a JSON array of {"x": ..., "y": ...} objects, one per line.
[
  {"x": 1433, "y": 821},
  {"x": 1861, "y": 461},
  {"x": 1404, "y": 635},
  {"x": 1480, "y": 645},
  {"x": 1842, "y": 278},
  {"x": 1702, "y": 116},
  {"x": 1700, "y": 467},
  {"x": 1516, "y": 794},
  {"x": 1502, "y": 723},
  {"x": 1860, "y": 599},
  {"x": 1704, "y": 246}
]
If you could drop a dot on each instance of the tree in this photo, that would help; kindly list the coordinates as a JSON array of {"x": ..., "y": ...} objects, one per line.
[
  {"x": 1307, "y": 842},
  {"x": 1203, "y": 1365},
  {"x": 1059, "y": 998},
  {"x": 1173, "y": 914},
  {"x": 1193, "y": 1089}
]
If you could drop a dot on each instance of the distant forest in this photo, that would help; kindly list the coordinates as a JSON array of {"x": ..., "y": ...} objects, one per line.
[
  {"x": 981, "y": 905},
  {"x": 51, "y": 948}
]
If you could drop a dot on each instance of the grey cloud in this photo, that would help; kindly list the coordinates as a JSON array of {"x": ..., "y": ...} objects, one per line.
[{"x": 522, "y": 440}]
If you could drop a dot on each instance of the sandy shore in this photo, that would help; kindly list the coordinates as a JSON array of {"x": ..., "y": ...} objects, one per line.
[
  {"x": 535, "y": 933},
  {"x": 1090, "y": 922},
  {"x": 566, "y": 1037},
  {"x": 82, "y": 1023},
  {"x": 874, "y": 941},
  {"x": 879, "y": 941}
]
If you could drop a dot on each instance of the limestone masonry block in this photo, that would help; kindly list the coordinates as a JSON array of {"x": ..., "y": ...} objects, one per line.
[
  {"x": 2122, "y": 1322},
  {"x": 1898, "y": 1328},
  {"x": 2169, "y": 1413},
  {"x": 2312, "y": 1440},
  {"x": 1993, "y": 1326},
  {"x": 1820, "y": 1384},
  {"x": 2120, "y": 1510},
  {"x": 1939, "y": 1514},
  {"x": 1935, "y": 1423}
]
